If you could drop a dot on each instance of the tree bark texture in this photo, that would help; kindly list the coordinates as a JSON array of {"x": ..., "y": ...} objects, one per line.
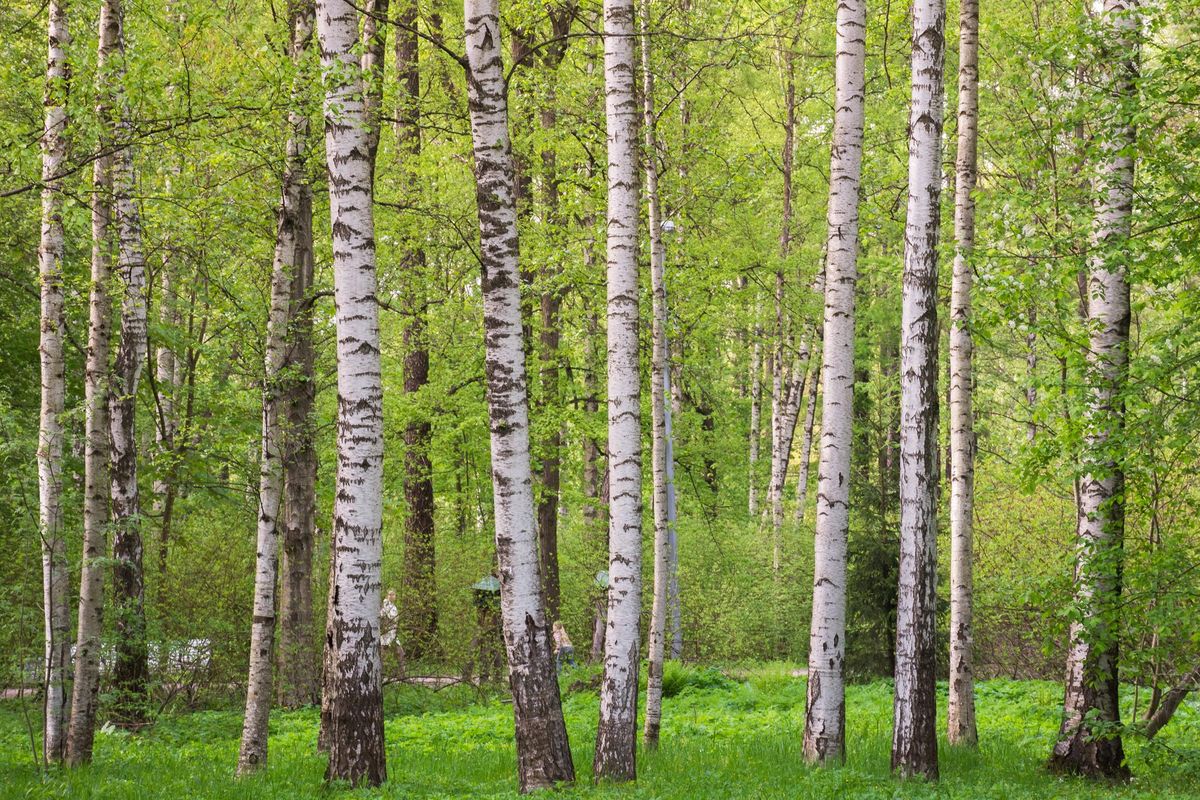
[
  {"x": 543, "y": 752},
  {"x": 616, "y": 737},
  {"x": 825, "y": 706},
  {"x": 914, "y": 727},
  {"x": 356, "y": 747},
  {"x": 1090, "y": 702}
]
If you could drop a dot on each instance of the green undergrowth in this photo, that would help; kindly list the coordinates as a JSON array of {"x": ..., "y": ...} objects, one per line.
[{"x": 732, "y": 733}]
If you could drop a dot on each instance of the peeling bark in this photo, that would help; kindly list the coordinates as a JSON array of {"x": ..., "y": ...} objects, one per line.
[
  {"x": 543, "y": 752},
  {"x": 914, "y": 727},
  {"x": 825, "y": 705},
  {"x": 355, "y": 731},
  {"x": 960, "y": 717},
  {"x": 616, "y": 739}
]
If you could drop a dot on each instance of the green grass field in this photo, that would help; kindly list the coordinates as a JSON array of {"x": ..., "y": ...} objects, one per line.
[{"x": 722, "y": 738}]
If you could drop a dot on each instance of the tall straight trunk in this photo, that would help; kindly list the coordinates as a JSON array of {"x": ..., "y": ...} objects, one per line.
[
  {"x": 165, "y": 380},
  {"x": 914, "y": 727},
  {"x": 660, "y": 380},
  {"x": 755, "y": 415},
  {"x": 825, "y": 705},
  {"x": 355, "y": 735},
  {"x": 1090, "y": 702},
  {"x": 616, "y": 739},
  {"x": 810, "y": 415},
  {"x": 298, "y": 678},
  {"x": 543, "y": 752},
  {"x": 56, "y": 581},
  {"x": 289, "y": 246},
  {"x": 86, "y": 689},
  {"x": 131, "y": 671},
  {"x": 961, "y": 712},
  {"x": 561, "y": 16},
  {"x": 419, "y": 597}
]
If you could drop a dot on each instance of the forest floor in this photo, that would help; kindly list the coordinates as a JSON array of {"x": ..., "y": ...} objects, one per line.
[{"x": 722, "y": 737}]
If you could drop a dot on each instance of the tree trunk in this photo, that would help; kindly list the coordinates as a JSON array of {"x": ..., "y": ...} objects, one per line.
[
  {"x": 914, "y": 728},
  {"x": 543, "y": 752},
  {"x": 660, "y": 380},
  {"x": 1031, "y": 360},
  {"x": 810, "y": 414},
  {"x": 291, "y": 248},
  {"x": 419, "y": 596},
  {"x": 131, "y": 671},
  {"x": 755, "y": 415},
  {"x": 165, "y": 381},
  {"x": 616, "y": 738},
  {"x": 298, "y": 678},
  {"x": 1170, "y": 702},
  {"x": 825, "y": 706},
  {"x": 961, "y": 713},
  {"x": 85, "y": 692},
  {"x": 1090, "y": 705},
  {"x": 56, "y": 581},
  {"x": 356, "y": 747}
]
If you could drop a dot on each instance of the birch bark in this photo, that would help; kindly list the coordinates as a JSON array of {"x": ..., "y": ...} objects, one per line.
[
  {"x": 543, "y": 752},
  {"x": 355, "y": 736},
  {"x": 961, "y": 711},
  {"x": 660, "y": 377},
  {"x": 1090, "y": 701},
  {"x": 288, "y": 246},
  {"x": 130, "y": 673},
  {"x": 914, "y": 727},
  {"x": 85, "y": 691},
  {"x": 616, "y": 737},
  {"x": 810, "y": 414},
  {"x": 56, "y": 581},
  {"x": 825, "y": 706}
]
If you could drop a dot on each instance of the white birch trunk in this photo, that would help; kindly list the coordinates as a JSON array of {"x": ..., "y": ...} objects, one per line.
[
  {"x": 543, "y": 752},
  {"x": 825, "y": 707},
  {"x": 1092, "y": 678},
  {"x": 85, "y": 691},
  {"x": 355, "y": 736},
  {"x": 961, "y": 712},
  {"x": 253, "y": 752},
  {"x": 55, "y": 578},
  {"x": 660, "y": 379},
  {"x": 914, "y": 727},
  {"x": 617, "y": 734},
  {"x": 810, "y": 415},
  {"x": 131, "y": 670}
]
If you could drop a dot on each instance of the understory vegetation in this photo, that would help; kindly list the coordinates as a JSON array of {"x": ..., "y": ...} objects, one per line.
[{"x": 728, "y": 733}]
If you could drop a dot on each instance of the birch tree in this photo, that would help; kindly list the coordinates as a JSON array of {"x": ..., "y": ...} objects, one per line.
[
  {"x": 355, "y": 735},
  {"x": 131, "y": 670},
  {"x": 543, "y": 752},
  {"x": 810, "y": 414},
  {"x": 616, "y": 738},
  {"x": 56, "y": 581},
  {"x": 914, "y": 727},
  {"x": 288, "y": 247},
  {"x": 1089, "y": 741},
  {"x": 961, "y": 711},
  {"x": 825, "y": 704},
  {"x": 660, "y": 381},
  {"x": 86, "y": 688}
]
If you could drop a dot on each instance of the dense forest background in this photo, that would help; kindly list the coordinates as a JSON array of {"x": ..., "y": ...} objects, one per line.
[{"x": 210, "y": 83}]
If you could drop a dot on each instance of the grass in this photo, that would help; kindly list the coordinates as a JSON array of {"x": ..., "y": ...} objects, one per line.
[{"x": 722, "y": 738}]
